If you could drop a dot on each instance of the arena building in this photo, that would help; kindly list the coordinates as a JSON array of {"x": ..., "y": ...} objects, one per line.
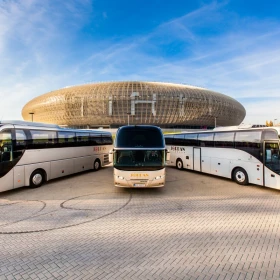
[{"x": 113, "y": 104}]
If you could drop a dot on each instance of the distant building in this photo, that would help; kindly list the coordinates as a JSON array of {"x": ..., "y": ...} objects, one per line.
[{"x": 113, "y": 104}]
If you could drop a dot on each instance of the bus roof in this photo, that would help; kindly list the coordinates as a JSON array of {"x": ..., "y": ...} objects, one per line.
[
  {"x": 229, "y": 129},
  {"x": 24, "y": 123},
  {"x": 38, "y": 125}
]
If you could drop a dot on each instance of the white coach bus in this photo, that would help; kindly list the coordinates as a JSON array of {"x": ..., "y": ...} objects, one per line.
[
  {"x": 244, "y": 155},
  {"x": 32, "y": 153},
  {"x": 139, "y": 157}
]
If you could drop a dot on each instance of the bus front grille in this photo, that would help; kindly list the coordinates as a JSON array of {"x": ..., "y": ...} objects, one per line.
[{"x": 106, "y": 159}]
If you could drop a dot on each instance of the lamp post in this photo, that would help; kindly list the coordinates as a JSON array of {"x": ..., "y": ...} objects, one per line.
[
  {"x": 31, "y": 116},
  {"x": 128, "y": 114},
  {"x": 215, "y": 121}
]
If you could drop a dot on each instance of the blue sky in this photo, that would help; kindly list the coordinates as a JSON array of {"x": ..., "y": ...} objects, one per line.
[{"x": 232, "y": 47}]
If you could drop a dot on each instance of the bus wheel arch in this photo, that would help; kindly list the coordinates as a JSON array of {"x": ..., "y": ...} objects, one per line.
[
  {"x": 96, "y": 164},
  {"x": 179, "y": 164},
  {"x": 37, "y": 178},
  {"x": 240, "y": 176}
]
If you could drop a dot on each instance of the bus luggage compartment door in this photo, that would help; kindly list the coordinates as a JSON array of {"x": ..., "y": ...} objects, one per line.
[
  {"x": 18, "y": 176},
  {"x": 197, "y": 159}
]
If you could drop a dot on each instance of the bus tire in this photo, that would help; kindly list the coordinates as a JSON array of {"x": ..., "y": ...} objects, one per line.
[
  {"x": 179, "y": 164},
  {"x": 240, "y": 176},
  {"x": 96, "y": 165},
  {"x": 36, "y": 179}
]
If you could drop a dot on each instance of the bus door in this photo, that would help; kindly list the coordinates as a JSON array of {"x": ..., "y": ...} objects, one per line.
[
  {"x": 6, "y": 160},
  {"x": 197, "y": 159},
  {"x": 271, "y": 164}
]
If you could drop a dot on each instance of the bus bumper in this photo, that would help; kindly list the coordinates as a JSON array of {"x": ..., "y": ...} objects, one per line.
[{"x": 137, "y": 179}]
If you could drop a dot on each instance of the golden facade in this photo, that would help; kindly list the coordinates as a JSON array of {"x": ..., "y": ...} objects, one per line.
[{"x": 117, "y": 103}]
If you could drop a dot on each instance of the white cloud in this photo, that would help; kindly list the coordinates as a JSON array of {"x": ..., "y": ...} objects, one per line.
[{"x": 38, "y": 50}]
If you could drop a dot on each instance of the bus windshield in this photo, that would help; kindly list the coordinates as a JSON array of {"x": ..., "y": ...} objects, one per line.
[
  {"x": 139, "y": 137},
  {"x": 139, "y": 159}
]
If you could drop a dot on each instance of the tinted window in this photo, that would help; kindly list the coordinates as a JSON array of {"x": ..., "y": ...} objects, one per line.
[
  {"x": 95, "y": 139},
  {"x": 6, "y": 146},
  {"x": 178, "y": 139},
  {"x": 107, "y": 139},
  {"x": 20, "y": 139},
  {"x": 139, "y": 137},
  {"x": 272, "y": 160},
  {"x": 6, "y": 152},
  {"x": 139, "y": 159},
  {"x": 206, "y": 139},
  {"x": 191, "y": 140},
  {"x": 168, "y": 139},
  {"x": 249, "y": 141},
  {"x": 82, "y": 138},
  {"x": 42, "y": 139},
  {"x": 224, "y": 139},
  {"x": 66, "y": 138}
]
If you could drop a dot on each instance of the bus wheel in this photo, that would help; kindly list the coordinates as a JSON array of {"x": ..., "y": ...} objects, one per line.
[
  {"x": 96, "y": 165},
  {"x": 240, "y": 176},
  {"x": 36, "y": 179},
  {"x": 179, "y": 164}
]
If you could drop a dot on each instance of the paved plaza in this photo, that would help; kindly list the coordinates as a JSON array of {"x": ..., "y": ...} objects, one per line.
[{"x": 196, "y": 227}]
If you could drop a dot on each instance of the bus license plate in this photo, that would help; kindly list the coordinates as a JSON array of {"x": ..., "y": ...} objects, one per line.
[{"x": 139, "y": 185}]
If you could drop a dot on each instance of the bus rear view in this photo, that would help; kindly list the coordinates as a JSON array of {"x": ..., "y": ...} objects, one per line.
[{"x": 139, "y": 157}]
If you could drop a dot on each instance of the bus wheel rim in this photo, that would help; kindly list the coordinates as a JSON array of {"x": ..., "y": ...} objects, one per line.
[
  {"x": 37, "y": 179},
  {"x": 240, "y": 176},
  {"x": 96, "y": 165},
  {"x": 179, "y": 164}
]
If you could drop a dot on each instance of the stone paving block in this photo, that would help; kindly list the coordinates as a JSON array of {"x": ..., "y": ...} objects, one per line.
[{"x": 215, "y": 230}]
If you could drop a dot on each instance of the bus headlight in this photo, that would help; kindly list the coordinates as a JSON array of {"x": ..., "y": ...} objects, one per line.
[
  {"x": 121, "y": 177},
  {"x": 158, "y": 177}
]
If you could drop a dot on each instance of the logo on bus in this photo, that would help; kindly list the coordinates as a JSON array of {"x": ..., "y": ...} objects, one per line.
[
  {"x": 98, "y": 149},
  {"x": 139, "y": 175},
  {"x": 179, "y": 149}
]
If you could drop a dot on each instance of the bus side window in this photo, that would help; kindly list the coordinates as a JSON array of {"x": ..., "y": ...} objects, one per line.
[
  {"x": 95, "y": 139},
  {"x": 19, "y": 144},
  {"x": 66, "y": 138},
  {"x": 169, "y": 139},
  {"x": 248, "y": 141},
  {"x": 206, "y": 139},
  {"x": 6, "y": 146},
  {"x": 224, "y": 139},
  {"x": 107, "y": 140},
  {"x": 82, "y": 139},
  {"x": 20, "y": 140},
  {"x": 42, "y": 139},
  {"x": 190, "y": 140}
]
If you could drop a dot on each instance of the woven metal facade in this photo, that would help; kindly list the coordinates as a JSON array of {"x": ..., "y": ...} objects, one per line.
[{"x": 116, "y": 103}]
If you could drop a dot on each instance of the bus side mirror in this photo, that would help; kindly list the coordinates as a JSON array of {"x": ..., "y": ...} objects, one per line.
[
  {"x": 167, "y": 155},
  {"x": 111, "y": 155}
]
